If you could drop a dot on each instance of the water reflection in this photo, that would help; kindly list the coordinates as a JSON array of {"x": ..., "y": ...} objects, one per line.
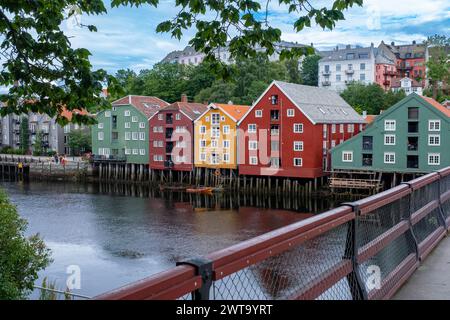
[{"x": 121, "y": 233}]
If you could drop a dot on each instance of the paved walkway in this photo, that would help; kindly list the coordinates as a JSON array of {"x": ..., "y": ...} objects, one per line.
[{"x": 431, "y": 281}]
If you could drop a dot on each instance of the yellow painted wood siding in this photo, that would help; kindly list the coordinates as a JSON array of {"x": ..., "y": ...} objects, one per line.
[{"x": 219, "y": 150}]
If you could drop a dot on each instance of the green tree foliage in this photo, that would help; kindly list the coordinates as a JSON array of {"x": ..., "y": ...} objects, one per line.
[
  {"x": 21, "y": 258},
  {"x": 50, "y": 74},
  {"x": 24, "y": 135},
  {"x": 38, "y": 148},
  {"x": 80, "y": 142},
  {"x": 310, "y": 70},
  {"x": 371, "y": 98},
  {"x": 438, "y": 65}
]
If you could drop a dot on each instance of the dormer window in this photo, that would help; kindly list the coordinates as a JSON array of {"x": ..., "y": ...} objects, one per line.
[{"x": 274, "y": 99}]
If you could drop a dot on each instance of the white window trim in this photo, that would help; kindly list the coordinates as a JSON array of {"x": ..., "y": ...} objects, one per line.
[
  {"x": 226, "y": 131},
  {"x": 226, "y": 142},
  {"x": 301, "y": 162},
  {"x": 434, "y": 121},
  {"x": 301, "y": 127},
  {"x": 258, "y": 113},
  {"x": 252, "y": 131},
  {"x": 390, "y": 135},
  {"x": 389, "y": 153},
  {"x": 254, "y": 143},
  {"x": 202, "y": 129},
  {"x": 251, "y": 162},
  {"x": 300, "y": 143},
  {"x": 394, "y": 122},
  {"x": 434, "y": 136},
  {"x": 434, "y": 155},
  {"x": 347, "y": 153},
  {"x": 290, "y": 113}
]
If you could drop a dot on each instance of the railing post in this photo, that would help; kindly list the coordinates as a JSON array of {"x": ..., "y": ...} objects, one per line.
[
  {"x": 410, "y": 233},
  {"x": 441, "y": 210},
  {"x": 357, "y": 287},
  {"x": 203, "y": 268}
]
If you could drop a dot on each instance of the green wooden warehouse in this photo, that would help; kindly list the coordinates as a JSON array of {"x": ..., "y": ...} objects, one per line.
[{"x": 411, "y": 137}]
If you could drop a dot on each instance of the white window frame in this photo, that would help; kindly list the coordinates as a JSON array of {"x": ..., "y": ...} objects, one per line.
[
  {"x": 258, "y": 113},
  {"x": 434, "y": 136},
  {"x": 142, "y": 152},
  {"x": 389, "y": 154},
  {"x": 250, "y": 128},
  {"x": 388, "y": 143},
  {"x": 390, "y": 125},
  {"x": 100, "y": 125},
  {"x": 253, "y": 161},
  {"x": 127, "y": 113},
  {"x": 127, "y": 151},
  {"x": 202, "y": 129},
  {"x": 213, "y": 116},
  {"x": 300, "y": 160},
  {"x": 432, "y": 163},
  {"x": 298, "y": 145},
  {"x": 350, "y": 128},
  {"x": 142, "y": 136},
  {"x": 298, "y": 126},
  {"x": 215, "y": 132},
  {"x": 434, "y": 122},
  {"x": 101, "y": 136},
  {"x": 127, "y": 135},
  {"x": 142, "y": 125},
  {"x": 134, "y": 119},
  {"x": 226, "y": 157},
  {"x": 202, "y": 143},
  {"x": 226, "y": 144},
  {"x": 160, "y": 116},
  {"x": 202, "y": 156},
  {"x": 227, "y": 131},
  {"x": 135, "y": 136},
  {"x": 214, "y": 143},
  {"x": 178, "y": 116},
  {"x": 252, "y": 145},
  {"x": 290, "y": 113},
  {"x": 135, "y": 152},
  {"x": 127, "y": 125},
  {"x": 107, "y": 114},
  {"x": 347, "y": 156}
]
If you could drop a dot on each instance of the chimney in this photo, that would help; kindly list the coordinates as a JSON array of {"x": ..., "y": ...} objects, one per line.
[
  {"x": 230, "y": 102},
  {"x": 364, "y": 114},
  {"x": 337, "y": 48},
  {"x": 392, "y": 43},
  {"x": 184, "y": 98},
  {"x": 414, "y": 41}
]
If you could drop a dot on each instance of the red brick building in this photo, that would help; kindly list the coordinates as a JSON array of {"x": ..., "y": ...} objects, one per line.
[
  {"x": 291, "y": 128},
  {"x": 171, "y": 136}
]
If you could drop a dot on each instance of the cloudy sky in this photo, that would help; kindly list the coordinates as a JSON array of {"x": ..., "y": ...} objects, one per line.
[{"x": 126, "y": 37}]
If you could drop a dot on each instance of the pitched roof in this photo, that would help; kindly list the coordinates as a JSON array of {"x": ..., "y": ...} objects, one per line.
[
  {"x": 320, "y": 105},
  {"x": 370, "y": 118},
  {"x": 236, "y": 111},
  {"x": 190, "y": 109},
  {"x": 68, "y": 114},
  {"x": 397, "y": 83},
  {"x": 341, "y": 54},
  {"x": 437, "y": 105},
  {"x": 147, "y": 105}
]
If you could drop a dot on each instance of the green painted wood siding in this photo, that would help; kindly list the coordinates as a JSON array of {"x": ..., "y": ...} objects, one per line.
[
  {"x": 398, "y": 113},
  {"x": 120, "y": 145}
]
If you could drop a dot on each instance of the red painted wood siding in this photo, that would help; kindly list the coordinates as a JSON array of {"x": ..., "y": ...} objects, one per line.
[{"x": 187, "y": 150}]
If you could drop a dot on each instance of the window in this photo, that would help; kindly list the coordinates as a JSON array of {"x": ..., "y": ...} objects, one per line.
[
  {"x": 333, "y": 128},
  {"x": 338, "y": 67},
  {"x": 274, "y": 99},
  {"x": 213, "y": 143},
  {"x": 107, "y": 114},
  {"x": 253, "y": 145},
  {"x": 178, "y": 116},
  {"x": 389, "y": 157},
  {"x": 222, "y": 118},
  {"x": 298, "y": 127},
  {"x": 226, "y": 129},
  {"x": 347, "y": 156},
  {"x": 226, "y": 143},
  {"x": 226, "y": 157},
  {"x": 203, "y": 143},
  {"x": 160, "y": 116},
  {"x": 115, "y": 136},
  {"x": 180, "y": 129},
  {"x": 413, "y": 113},
  {"x": 274, "y": 145},
  {"x": 290, "y": 112},
  {"x": 126, "y": 113},
  {"x": 215, "y": 132},
  {"x": 389, "y": 125},
  {"x": 434, "y": 140},
  {"x": 275, "y": 162},
  {"x": 101, "y": 135},
  {"x": 142, "y": 152},
  {"x": 434, "y": 159},
  {"x": 66, "y": 128},
  {"x": 157, "y": 157},
  {"x": 341, "y": 128},
  {"x": 134, "y": 119},
  {"x": 127, "y": 135},
  {"x": 362, "y": 66},
  {"x": 252, "y": 128},
  {"x": 180, "y": 144},
  {"x": 127, "y": 151},
  {"x": 215, "y": 118},
  {"x": 141, "y": 135},
  {"x": 298, "y": 145},
  {"x": 434, "y": 125},
  {"x": 253, "y": 161},
  {"x": 127, "y": 125},
  {"x": 202, "y": 156},
  {"x": 298, "y": 162},
  {"x": 362, "y": 77},
  {"x": 333, "y": 143},
  {"x": 100, "y": 125},
  {"x": 135, "y": 151},
  {"x": 134, "y": 135},
  {"x": 258, "y": 113},
  {"x": 351, "y": 128},
  {"x": 142, "y": 125},
  {"x": 207, "y": 119},
  {"x": 274, "y": 115},
  {"x": 202, "y": 129},
  {"x": 389, "y": 139},
  {"x": 338, "y": 78}
]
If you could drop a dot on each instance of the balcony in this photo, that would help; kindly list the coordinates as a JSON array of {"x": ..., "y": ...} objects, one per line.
[
  {"x": 413, "y": 144},
  {"x": 386, "y": 83},
  {"x": 326, "y": 83},
  {"x": 349, "y": 71},
  {"x": 404, "y": 66},
  {"x": 389, "y": 73},
  {"x": 169, "y": 118},
  {"x": 168, "y": 164},
  {"x": 274, "y": 115},
  {"x": 169, "y": 147},
  {"x": 326, "y": 72},
  {"x": 169, "y": 132}
]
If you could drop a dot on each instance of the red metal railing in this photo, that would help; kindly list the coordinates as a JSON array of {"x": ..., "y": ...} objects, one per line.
[{"x": 324, "y": 257}]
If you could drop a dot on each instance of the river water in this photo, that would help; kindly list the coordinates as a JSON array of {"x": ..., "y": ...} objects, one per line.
[{"x": 117, "y": 234}]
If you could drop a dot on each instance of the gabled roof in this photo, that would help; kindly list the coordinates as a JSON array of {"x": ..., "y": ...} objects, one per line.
[
  {"x": 68, "y": 114},
  {"x": 341, "y": 54},
  {"x": 397, "y": 83},
  {"x": 233, "y": 111},
  {"x": 147, "y": 105},
  {"x": 192, "y": 110},
  {"x": 437, "y": 105},
  {"x": 317, "y": 104}
]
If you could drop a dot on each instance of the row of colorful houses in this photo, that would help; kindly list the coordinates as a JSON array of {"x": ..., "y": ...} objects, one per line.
[{"x": 290, "y": 131}]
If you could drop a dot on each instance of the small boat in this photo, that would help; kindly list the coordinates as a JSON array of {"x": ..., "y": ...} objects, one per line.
[
  {"x": 206, "y": 190},
  {"x": 172, "y": 188}
]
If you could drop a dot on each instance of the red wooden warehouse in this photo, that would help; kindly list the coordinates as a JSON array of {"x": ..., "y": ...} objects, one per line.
[
  {"x": 290, "y": 129},
  {"x": 172, "y": 136}
]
